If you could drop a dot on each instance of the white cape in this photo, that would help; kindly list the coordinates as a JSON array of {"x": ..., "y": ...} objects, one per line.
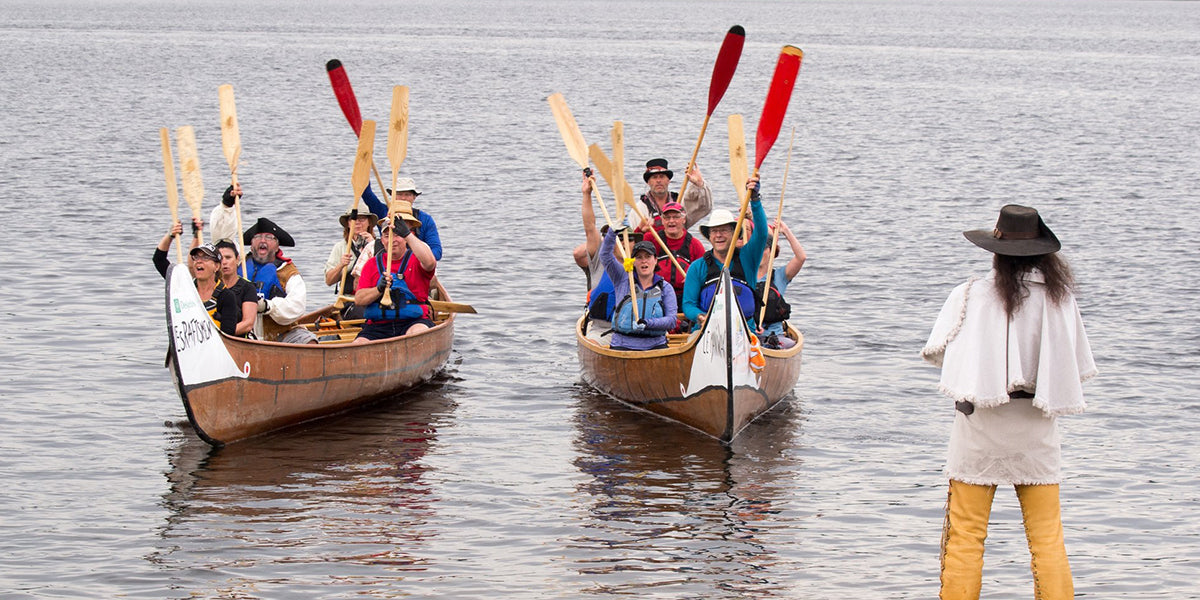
[{"x": 1044, "y": 350}]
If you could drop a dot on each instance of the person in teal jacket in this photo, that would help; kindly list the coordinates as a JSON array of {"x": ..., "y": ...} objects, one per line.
[{"x": 701, "y": 282}]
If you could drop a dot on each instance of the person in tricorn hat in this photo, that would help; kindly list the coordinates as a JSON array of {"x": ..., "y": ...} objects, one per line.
[
  {"x": 696, "y": 201},
  {"x": 1014, "y": 355},
  {"x": 282, "y": 295},
  {"x": 406, "y": 191},
  {"x": 351, "y": 252}
]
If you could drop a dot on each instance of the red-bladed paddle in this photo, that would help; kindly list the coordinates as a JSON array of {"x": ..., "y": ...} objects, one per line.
[
  {"x": 774, "y": 110},
  {"x": 727, "y": 60},
  {"x": 349, "y": 104}
]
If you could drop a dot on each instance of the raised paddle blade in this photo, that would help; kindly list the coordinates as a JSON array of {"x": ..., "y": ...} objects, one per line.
[
  {"x": 397, "y": 141},
  {"x": 362, "y": 159},
  {"x": 776, "y": 105},
  {"x": 569, "y": 130},
  {"x": 345, "y": 94},
  {"x": 231, "y": 139},
  {"x": 189, "y": 168},
  {"x": 727, "y": 61},
  {"x": 169, "y": 174},
  {"x": 454, "y": 307},
  {"x": 738, "y": 171}
]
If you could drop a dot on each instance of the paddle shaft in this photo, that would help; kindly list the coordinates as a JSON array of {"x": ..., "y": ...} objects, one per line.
[
  {"x": 358, "y": 182},
  {"x": 397, "y": 149}
]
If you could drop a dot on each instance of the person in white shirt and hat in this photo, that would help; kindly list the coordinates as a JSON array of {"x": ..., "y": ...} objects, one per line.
[{"x": 1014, "y": 355}]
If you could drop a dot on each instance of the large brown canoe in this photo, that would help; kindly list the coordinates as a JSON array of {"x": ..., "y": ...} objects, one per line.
[
  {"x": 234, "y": 388},
  {"x": 720, "y": 399}
]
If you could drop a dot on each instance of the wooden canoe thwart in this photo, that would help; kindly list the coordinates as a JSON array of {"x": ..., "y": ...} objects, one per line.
[
  {"x": 234, "y": 388},
  {"x": 703, "y": 380}
]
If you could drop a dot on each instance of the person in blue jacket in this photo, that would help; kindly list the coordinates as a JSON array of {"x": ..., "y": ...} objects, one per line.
[
  {"x": 704, "y": 274},
  {"x": 655, "y": 298},
  {"x": 406, "y": 191}
]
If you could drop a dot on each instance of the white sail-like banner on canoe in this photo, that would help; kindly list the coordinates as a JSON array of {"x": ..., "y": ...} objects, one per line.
[
  {"x": 199, "y": 350},
  {"x": 709, "y": 366}
]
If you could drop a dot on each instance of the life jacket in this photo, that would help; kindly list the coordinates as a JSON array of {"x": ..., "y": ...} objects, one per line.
[
  {"x": 746, "y": 299},
  {"x": 601, "y": 300},
  {"x": 666, "y": 270},
  {"x": 269, "y": 279},
  {"x": 210, "y": 305},
  {"x": 778, "y": 309},
  {"x": 652, "y": 208},
  {"x": 405, "y": 304},
  {"x": 351, "y": 279},
  {"x": 650, "y": 306}
]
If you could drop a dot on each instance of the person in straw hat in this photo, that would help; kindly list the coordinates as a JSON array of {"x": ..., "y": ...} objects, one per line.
[
  {"x": 1014, "y": 355},
  {"x": 406, "y": 191},
  {"x": 353, "y": 250},
  {"x": 407, "y": 282}
]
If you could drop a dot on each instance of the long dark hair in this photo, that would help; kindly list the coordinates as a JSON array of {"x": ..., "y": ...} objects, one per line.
[{"x": 1010, "y": 278}]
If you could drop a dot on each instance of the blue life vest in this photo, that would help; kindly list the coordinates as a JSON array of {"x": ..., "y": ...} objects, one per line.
[
  {"x": 742, "y": 290},
  {"x": 601, "y": 300},
  {"x": 265, "y": 279},
  {"x": 650, "y": 306},
  {"x": 405, "y": 304}
]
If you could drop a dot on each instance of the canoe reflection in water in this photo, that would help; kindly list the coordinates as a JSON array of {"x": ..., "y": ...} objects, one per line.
[
  {"x": 668, "y": 507},
  {"x": 351, "y": 492}
]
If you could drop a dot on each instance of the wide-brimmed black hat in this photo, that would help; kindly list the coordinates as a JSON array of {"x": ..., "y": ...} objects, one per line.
[
  {"x": 655, "y": 166},
  {"x": 1019, "y": 231},
  {"x": 264, "y": 225}
]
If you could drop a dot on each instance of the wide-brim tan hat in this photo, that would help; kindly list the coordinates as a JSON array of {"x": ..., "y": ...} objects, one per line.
[
  {"x": 1019, "y": 231},
  {"x": 353, "y": 213},
  {"x": 718, "y": 217},
  {"x": 406, "y": 184}
]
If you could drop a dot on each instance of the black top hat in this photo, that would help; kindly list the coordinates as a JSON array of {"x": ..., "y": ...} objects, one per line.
[
  {"x": 655, "y": 166},
  {"x": 264, "y": 225},
  {"x": 1019, "y": 231}
]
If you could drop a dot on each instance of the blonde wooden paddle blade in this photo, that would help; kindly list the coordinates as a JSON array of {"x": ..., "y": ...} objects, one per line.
[
  {"x": 231, "y": 139},
  {"x": 618, "y": 167},
  {"x": 738, "y": 169},
  {"x": 569, "y": 129},
  {"x": 189, "y": 168},
  {"x": 169, "y": 173},
  {"x": 361, "y": 175},
  {"x": 397, "y": 141}
]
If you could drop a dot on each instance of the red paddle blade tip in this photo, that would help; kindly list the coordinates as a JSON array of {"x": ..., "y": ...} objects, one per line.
[
  {"x": 727, "y": 60},
  {"x": 776, "y": 105},
  {"x": 345, "y": 94}
]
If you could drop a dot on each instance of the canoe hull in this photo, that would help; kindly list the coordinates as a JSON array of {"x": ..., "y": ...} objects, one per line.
[
  {"x": 280, "y": 385},
  {"x": 656, "y": 380}
]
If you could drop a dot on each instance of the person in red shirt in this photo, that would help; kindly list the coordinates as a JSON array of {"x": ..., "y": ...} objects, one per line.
[
  {"x": 678, "y": 242},
  {"x": 408, "y": 282}
]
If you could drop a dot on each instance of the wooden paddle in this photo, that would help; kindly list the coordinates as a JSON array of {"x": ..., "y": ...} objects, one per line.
[
  {"x": 605, "y": 168},
  {"x": 579, "y": 151},
  {"x": 189, "y": 171},
  {"x": 231, "y": 144},
  {"x": 359, "y": 178},
  {"x": 738, "y": 174},
  {"x": 623, "y": 197},
  {"x": 349, "y": 104},
  {"x": 172, "y": 186},
  {"x": 723, "y": 69},
  {"x": 774, "y": 109},
  {"x": 775, "y": 236},
  {"x": 397, "y": 148}
]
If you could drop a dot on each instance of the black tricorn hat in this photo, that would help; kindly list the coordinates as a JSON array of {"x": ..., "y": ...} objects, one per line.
[
  {"x": 1019, "y": 231},
  {"x": 655, "y": 166},
  {"x": 264, "y": 225}
]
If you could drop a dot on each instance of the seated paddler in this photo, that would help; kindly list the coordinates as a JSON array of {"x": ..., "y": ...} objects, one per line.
[
  {"x": 282, "y": 294},
  {"x": 704, "y": 274},
  {"x": 350, "y": 254},
  {"x": 405, "y": 284},
  {"x": 652, "y": 295}
]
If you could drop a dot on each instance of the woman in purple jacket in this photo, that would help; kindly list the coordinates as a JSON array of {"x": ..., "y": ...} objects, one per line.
[{"x": 655, "y": 298}]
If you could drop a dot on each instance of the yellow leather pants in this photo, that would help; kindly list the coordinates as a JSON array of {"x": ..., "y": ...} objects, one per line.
[{"x": 967, "y": 509}]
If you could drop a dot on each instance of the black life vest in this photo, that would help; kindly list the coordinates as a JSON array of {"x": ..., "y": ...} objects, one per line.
[
  {"x": 777, "y": 309},
  {"x": 683, "y": 255}
]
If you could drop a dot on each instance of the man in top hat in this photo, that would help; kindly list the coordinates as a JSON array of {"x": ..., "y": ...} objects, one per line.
[
  {"x": 282, "y": 295},
  {"x": 406, "y": 191},
  {"x": 697, "y": 200}
]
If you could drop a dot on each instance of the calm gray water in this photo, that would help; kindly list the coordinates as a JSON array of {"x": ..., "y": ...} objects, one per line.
[{"x": 507, "y": 477}]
